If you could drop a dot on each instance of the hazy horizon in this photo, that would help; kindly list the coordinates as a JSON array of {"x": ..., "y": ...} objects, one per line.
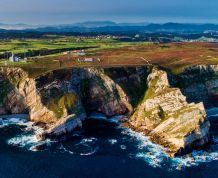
[
  {"x": 130, "y": 22},
  {"x": 48, "y": 12}
]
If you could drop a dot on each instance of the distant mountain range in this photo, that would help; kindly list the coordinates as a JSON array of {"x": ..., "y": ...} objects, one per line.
[
  {"x": 110, "y": 27},
  {"x": 19, "y": 26}
]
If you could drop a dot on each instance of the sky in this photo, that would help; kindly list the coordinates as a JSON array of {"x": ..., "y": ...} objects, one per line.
[{"x": 72, "y": 11}]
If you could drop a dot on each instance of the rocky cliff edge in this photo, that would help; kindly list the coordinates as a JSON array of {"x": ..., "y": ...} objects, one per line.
[
  {"x": 169, "y": 120},
  {"x": 62, "y": 100}
]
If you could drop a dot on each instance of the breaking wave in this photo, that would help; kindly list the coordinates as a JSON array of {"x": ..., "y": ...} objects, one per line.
[
  {"x": 155, "y": 155},
  {"x": 27, "y": 138},
  {"x": 14, "y": 121},
  {"x": 152, "y": 154}
]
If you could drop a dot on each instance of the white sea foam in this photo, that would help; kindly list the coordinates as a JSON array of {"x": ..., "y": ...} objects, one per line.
[
  {"x": 23, "y": 140},
  {"x": 27, "y": 139},
  {"x": 85, "y": 147},
  {"x": 89, "y": 150},
  {"x": 155, "y": 155},
  {"x": 112, "y": 141},
  {"x": 89, "y": 146},
  {"x": 123, "y": 147},
  {"x": 88, "y": 140},
  {"x": 14, "y": 121},
  {"x": 65, "y": 150},
  {"x": 93, "y": 151}
]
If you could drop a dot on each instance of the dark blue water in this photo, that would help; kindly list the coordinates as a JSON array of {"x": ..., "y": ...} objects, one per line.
[{"x": 101, "y": 149}]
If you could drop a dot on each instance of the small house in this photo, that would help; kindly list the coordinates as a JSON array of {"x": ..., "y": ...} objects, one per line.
[
  {"x": 14, "y": 58},
  {"x": 89, "y": 60},
  {"x": 79, "y": 52},
  {"x": 66, "y": 52},
  {"x": 92, "y": 60}
]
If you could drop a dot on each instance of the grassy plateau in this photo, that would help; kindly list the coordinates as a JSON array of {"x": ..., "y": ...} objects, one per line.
[{"x": 49, "y": 53}]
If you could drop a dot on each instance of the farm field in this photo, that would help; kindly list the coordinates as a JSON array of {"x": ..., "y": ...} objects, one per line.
[
  {"x": 108, "y": 52},
  {"x": 55, "y": 45}
]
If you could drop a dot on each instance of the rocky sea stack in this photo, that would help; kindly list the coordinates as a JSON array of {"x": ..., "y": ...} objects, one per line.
[
  {"x": 61, "y": 100},
  {"x": 168, "y": 119}
]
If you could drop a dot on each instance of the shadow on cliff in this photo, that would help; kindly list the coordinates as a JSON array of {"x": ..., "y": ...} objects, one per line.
[
  {"x": 133, "y": 81},
  {"x": 11, "y": 102}
]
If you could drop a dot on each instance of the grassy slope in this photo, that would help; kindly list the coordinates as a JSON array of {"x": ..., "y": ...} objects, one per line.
[{"x": 113, "y": 53}]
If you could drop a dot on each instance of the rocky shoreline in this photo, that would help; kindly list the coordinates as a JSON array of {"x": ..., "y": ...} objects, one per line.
[{"x": 149, "y": 97}]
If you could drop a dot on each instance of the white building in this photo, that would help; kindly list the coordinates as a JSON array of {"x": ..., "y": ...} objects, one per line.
[
  {"x": 89, "y": 60},
  {"x": 14, "y": 58},
  {"x": 92, "y": 59}
]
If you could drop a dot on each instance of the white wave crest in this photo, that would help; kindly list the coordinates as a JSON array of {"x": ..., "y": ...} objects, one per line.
[
  {"x": 27, "y": 139},
  {"x": 155, "y": 155},
  {"x": 14, "y": 121},
  {"x": 112, "y": 141}
]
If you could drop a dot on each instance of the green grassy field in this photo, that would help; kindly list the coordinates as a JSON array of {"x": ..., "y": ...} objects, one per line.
[
  {"x": 110, "y": 51},
  {"x": 38, "y": 61},
  {"x": 58, "y": 43}
]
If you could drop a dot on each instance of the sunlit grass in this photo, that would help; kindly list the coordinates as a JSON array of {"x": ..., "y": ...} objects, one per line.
[{"x": 27, "y": 45}]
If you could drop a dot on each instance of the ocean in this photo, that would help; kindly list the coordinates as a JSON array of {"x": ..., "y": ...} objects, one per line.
[{"x": 102, "y": 149}]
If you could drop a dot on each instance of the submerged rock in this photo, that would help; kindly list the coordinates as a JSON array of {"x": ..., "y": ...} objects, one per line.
[{"x": 169, "y": 120}]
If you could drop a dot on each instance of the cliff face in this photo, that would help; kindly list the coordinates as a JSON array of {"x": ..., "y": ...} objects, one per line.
[
  {"x": 61, "y": 100},
  {"x": 92, "y": 90},
  {"x": 165, "y": 115},
  {"x": 200, "y": 84},
  {"x": 22, "y": 96},
  {"x": 99, "y": 92},
  {"x": 46, "y": 100}
]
